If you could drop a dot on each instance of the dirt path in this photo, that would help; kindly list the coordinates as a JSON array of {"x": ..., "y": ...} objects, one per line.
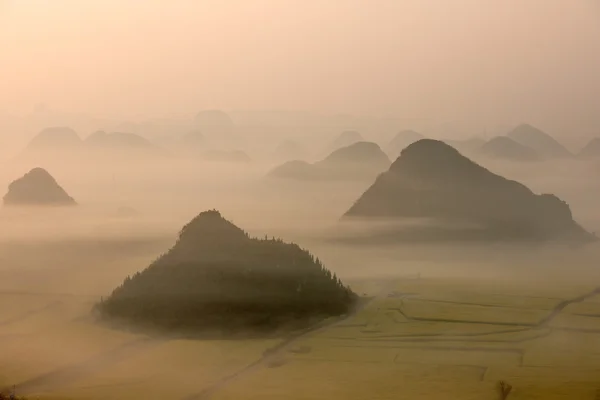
[
  {"x": 564, "y": 304},
  {"x": 273, "y": 353}
]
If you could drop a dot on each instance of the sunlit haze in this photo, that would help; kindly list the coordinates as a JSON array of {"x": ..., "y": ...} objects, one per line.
[
  {"x": 299, "y": 199},
  {"x": 490, "y": 61}
]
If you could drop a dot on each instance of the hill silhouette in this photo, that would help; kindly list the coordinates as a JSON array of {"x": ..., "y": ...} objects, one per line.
[
  {"x": 216, "y": 125},
  {"x": 401, "y": 140},
  {"x": 591, "y": 150},
  {"x": 37, "y": 188},
  {"x": 503, "y": 147},
  {"x": 121, "y": 144},
  {"x": 295, "y": 169},
  {"x": 118, "y": 140},
  {"x": 216, "y": 277},
  {"x": 358, "y": 161},
  {"x": 61, "y": 137},
  {"x": 345, "y": 139},
  {"x": 542, "y": 143},
  {"x": 432, "y": 181},
  {"x": 213, "y": 119},
  {"x": 468, "y": 146}
]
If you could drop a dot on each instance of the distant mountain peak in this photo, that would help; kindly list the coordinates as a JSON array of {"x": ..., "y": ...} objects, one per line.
[
  {"x": 541, "y": 142},
  {"x": 37, "y": 187},
  {"x": 432, "y": 180}
]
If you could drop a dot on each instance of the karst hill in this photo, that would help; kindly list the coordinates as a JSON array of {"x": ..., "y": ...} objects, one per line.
[
  {"x": 214, "y": 119},
  {"x": 118, "y": 140},
  {"x": 216, "y": 277},
  {"x": 591, "y": 150},
  {"x": 216, "y": 125},
  {"x": 55, "y": 138},
  {"x": 52, "y": 145},
  {"x": 505, "y": 148},
  {"x": 361, "y": 160},
  {"x": 346, "y": 138},
  {"x": 122, "y": 145},
  {"x": 37, "y": 188},
  {"x": 542, "y": 143},
  {"x": 401, "y": 140},
  {"x": 433, "y": 181}
]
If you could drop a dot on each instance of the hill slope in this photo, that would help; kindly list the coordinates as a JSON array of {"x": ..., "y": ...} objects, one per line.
[
  {"x": 544, "y": 144},
  {"x": 503, "y": 147},
  {"x": 39, "y": 188},
  {"x": 591, "y": 150},
  {"x": 361, "y": 160},
  {"x": 346, "y": 139},
  {"x": 217, "y": 277},
  {"x": 55, "y": 138},
  {"x": 431, "y": 180},
  {"x": 401, "y": 140}
]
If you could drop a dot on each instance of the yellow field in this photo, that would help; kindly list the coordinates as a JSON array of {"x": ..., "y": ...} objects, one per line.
[{"x": 414, "y": 338}]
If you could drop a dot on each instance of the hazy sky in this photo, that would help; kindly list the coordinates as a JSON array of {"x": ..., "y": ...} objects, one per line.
[{"x": 452, "y": 59}]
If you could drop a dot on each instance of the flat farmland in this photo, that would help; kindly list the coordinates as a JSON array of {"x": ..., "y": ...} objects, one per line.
[{"x": 413, "y": 337}]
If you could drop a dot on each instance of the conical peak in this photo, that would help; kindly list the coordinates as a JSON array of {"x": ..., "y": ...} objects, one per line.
[
  {"x": 38, "y": 173},
  {"x": 55, "y": 136},
  {"x": 427, "y": 151},
  {"x": 360, "y": 148},
  {"x": 528, "y": 130},
  {"x": 359, "y": 151},
  {"x": 210, "y": 226},
  {"x": 59, "y": 130},
  {"x": 37, "y": 187},
  {"x": 434, "y": 160}
]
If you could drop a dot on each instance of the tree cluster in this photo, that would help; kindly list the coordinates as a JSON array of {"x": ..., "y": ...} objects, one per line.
[{"x": 216, "y": 276}]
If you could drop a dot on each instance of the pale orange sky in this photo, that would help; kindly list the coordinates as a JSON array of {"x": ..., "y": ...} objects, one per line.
[{"x": 445, "y": 59}]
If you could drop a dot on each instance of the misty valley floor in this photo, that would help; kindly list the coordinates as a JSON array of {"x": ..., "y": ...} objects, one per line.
[{"x": 418, "y": 337}]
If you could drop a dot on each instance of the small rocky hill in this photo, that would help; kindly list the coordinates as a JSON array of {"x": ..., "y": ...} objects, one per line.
[
  {"x": 216, "y": 125},
  {"x": 401, "y": 140},
  {"x": 361, "y": 160},
  {"x": 505, "y": 148},
  {"x": 591, "y": 150},
  {"x": 296, "y": 169},
  {"x": 217, "y": 278},
  {"x": 121, "y": 144},
  {"x": 366, "y": 153},
  {"x": 213, "y": 119},
  {"x": 432, "y": 181},
  {"x": 55, "y": 138},
  {"x": 37, "y": 188},
  {"x": 542, "y": 143}
]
